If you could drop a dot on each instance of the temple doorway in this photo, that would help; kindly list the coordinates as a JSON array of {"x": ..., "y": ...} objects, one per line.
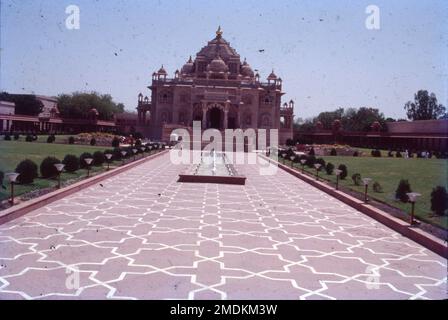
[{"x": 215, "y": 118}]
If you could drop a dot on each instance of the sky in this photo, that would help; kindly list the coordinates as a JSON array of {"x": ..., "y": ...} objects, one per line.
[{"x": 322, "y": 50}]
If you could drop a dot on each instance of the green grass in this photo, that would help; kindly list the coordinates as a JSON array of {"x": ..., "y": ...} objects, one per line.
[
  {"x": 12, "y": 152},
  {"x": 422, "y": 174}
]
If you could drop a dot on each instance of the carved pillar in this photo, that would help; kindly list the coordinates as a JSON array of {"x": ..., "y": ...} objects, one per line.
[
  {"x": 204, "y": 116},
  {"x": 226, "y": 116}
]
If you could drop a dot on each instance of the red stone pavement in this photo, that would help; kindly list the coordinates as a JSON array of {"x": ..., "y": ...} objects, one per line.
[{"x": 143, "y": 235}]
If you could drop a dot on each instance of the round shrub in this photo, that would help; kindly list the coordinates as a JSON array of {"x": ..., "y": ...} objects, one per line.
[
  {"x": 138, "y": 143},
  {"x": 47, "y": 168},
  {"x": 398, "y": 154},
  {"x": 27, "y": 170},
  {"x": 356, "y": 153},
  {"x": 29, "y": 138},
  {"x": 376, "y": 153},
  {"x": 71, "y": 163},
  {"x": 377, "y": 187},
  {"x": 390, "y": 154},
  {"x": 344, "y": 172},
  {"x": 439, "y": 200},
  {"x": 310, "y": 161},
  {"x": 321, "y": 162},
  {"x": 82, "y": 163},
  {"x": 115, "y": 142},
  {"x": 117, "y": 154},
  {"x": 329, "y": 168},
  {"x": 51, "y": 138},
  {"x": 7, "y": 137},
  {"x": 92, "y": 141},
  {"x": 16, "y": 136},
  {"x": 71, "y": 140},
  {"x": 403, "y": 188},
  {"x": 311, "y": 153},
  {"x": 356, "y": 177},
  {"x": 333, "y": 152},
  {"x": 98, "y": 158}
]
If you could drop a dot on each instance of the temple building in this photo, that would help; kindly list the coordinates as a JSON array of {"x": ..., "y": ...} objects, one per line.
[{"x": 217, "y": 89}]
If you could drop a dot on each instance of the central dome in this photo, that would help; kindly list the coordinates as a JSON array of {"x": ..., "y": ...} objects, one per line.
[{"x": 217, "y": 65}]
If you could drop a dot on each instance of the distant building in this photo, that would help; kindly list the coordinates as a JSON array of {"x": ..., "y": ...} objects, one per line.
[
  {"x": 50, "y": 120},
  {"x": 126, "y": 122},
  {"x": 429, "y": 135},
  {"x": 217, "y": 89}
]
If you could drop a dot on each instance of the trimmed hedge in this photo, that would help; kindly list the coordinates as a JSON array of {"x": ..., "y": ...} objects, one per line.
[
  {"x": 47, "y": 168},
  {"x": 71, "y": 140},
  {"x": 439, "y": 200},
  {"x": 329, "y": 168},
  {"x": 51, "y": 138},
  {"x": 71, "y": 163},
  {"x": 27, "y": 170},
  {"x": 98, "y": 158},
  {"x": 403, "y": 188},
  {"x": 344, "y": 172}
]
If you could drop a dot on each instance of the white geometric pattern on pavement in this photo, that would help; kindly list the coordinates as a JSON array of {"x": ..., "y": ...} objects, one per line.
[{"x": 146, "y": 236}]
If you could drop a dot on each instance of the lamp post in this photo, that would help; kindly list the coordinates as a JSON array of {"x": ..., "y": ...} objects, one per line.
[
  {"x": 59, "y": 167},
  {"x": 143, "y": 151},
  {"x": 88, "y": 161},
  {"x": 338, "y": 173},
  {"x": 317, "y": 166},
  {"x": 366, "y": 182},
  {"x": 150, "y": 148},
  {"x": 303, "y": 161},
  {"x": 134, "y": 151},
  {"x": 12, "y": 177},
  {"x": 108, "y": 157},
  {"x": 412, "y": 198},
  {"x": 292, "y": 160},
  {"x": 123, "y": 154}
]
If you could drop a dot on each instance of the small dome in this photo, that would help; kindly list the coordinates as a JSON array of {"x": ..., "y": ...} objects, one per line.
[
  {"x": 217, "y": 65},
  {"x": 246, "y": 70},
  {"x": 272, "y": 76},
  {"x": 188, "y": 67},
  {"x": 162, "y": 71}
]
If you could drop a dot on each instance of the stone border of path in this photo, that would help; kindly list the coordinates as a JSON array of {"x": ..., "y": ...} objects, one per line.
[
  {"x": 425, "y": 239},
  {"x": 33, "y": 204}
]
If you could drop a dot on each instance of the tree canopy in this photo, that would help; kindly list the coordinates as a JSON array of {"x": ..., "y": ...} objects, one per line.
[
  {"x": 78, "y": 104},
  {"x": 25, "y": 104},
  {"x": 424, "y": 107},
  {"x": 351, "y": 119}
]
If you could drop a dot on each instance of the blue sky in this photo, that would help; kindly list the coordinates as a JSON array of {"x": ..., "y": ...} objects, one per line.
[{"x": 322, "y": 49}]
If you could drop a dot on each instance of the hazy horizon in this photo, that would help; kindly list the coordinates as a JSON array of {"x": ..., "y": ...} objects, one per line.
[{"x": 322, "y": 50}]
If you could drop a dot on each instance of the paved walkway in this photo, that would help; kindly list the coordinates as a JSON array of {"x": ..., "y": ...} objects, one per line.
[{"x": 143, "y": 235}]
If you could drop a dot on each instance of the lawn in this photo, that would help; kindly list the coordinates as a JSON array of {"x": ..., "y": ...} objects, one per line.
[
  {"x": 422, "y": 174},
  {"x": 12, "y": 152}
]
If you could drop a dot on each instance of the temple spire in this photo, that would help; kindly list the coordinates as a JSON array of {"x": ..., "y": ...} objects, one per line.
[{"x": 219, "y": 32}]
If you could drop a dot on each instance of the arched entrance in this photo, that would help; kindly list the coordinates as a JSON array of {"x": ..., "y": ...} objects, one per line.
[{"x": 215, "y": 118}]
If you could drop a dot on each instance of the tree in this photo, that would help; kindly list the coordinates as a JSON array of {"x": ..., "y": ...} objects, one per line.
[
  {"x": 327, "y": 118},
  {"x": 424, "y": 107},
  {"x": 25, "y": 104},
  {"x": 362, "y": 119},
  {"x": 78, "y": 105}
]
